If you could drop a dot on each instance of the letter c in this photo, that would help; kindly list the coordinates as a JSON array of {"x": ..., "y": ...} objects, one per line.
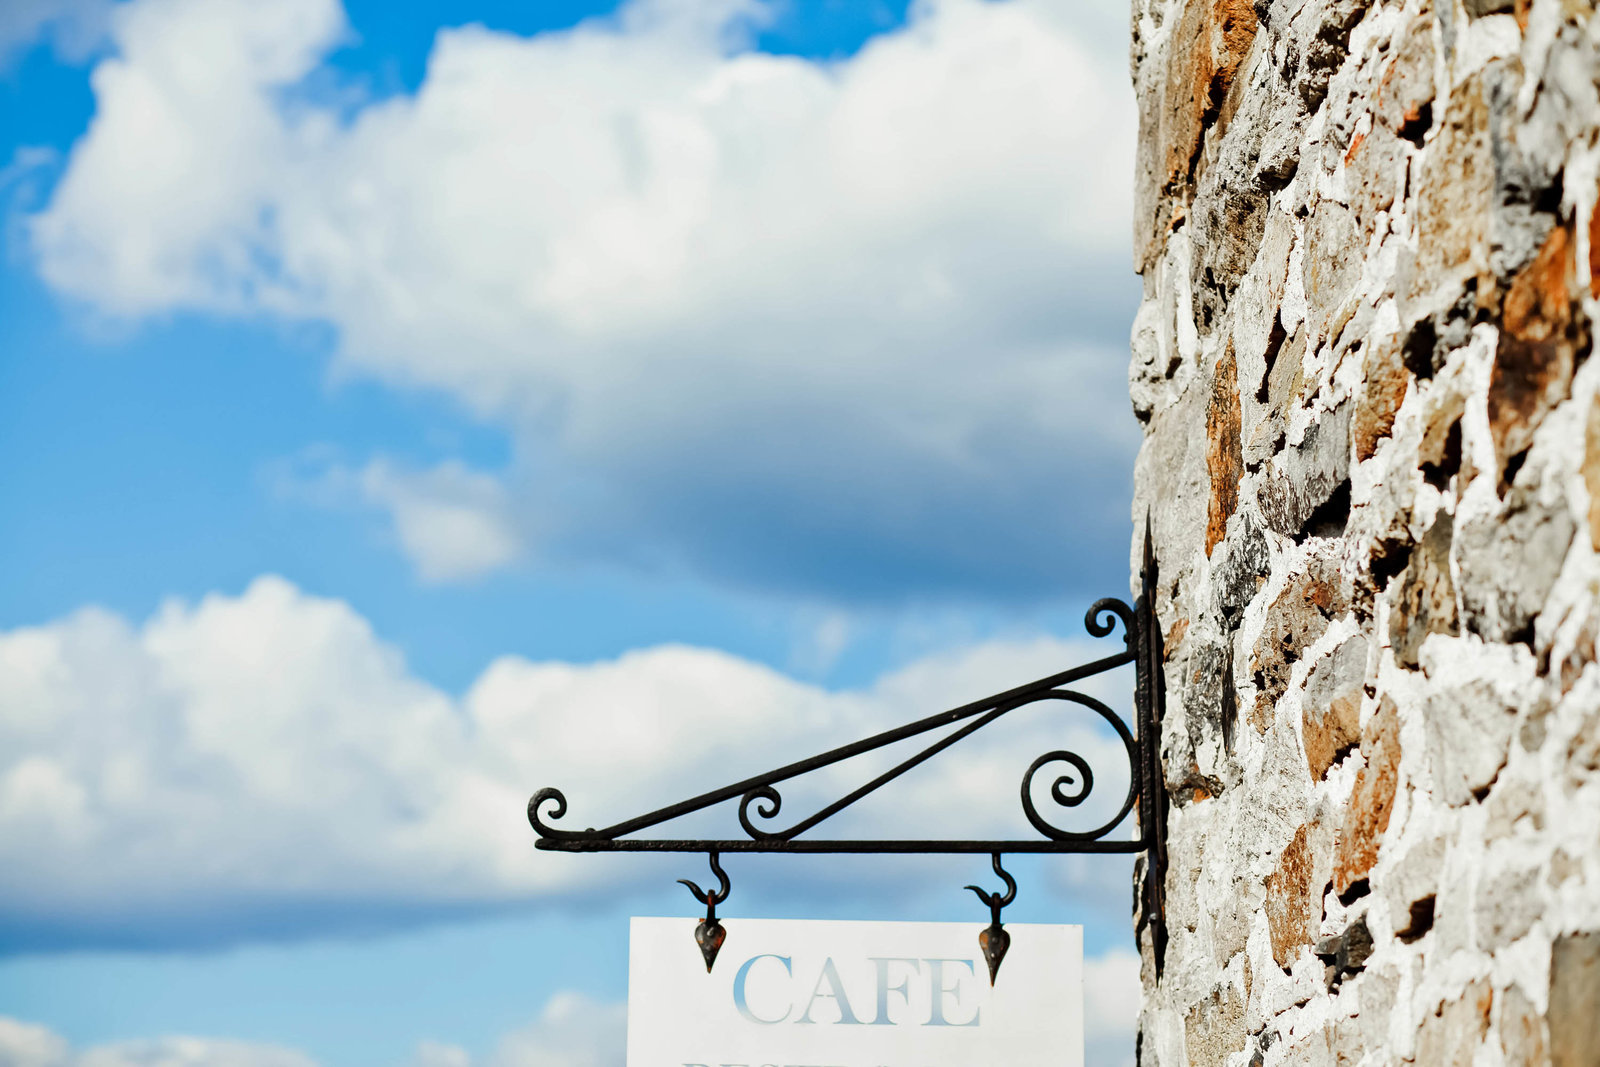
[{"x": 738, "y": 988}]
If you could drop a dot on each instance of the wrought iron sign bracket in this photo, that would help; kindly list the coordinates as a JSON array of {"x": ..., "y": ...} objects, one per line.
[{"x": 759, "y": 797}]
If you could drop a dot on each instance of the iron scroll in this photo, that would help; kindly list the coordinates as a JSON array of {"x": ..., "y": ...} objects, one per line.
[{"x": 760, "y": 802}]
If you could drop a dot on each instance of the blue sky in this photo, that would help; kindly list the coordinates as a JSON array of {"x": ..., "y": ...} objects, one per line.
[{"x": 400, "y": 395}]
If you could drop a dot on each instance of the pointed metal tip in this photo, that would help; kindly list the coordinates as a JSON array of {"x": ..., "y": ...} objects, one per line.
[
  {"x": 994, "y": 941},
  {"x": 710, "y": 935}
]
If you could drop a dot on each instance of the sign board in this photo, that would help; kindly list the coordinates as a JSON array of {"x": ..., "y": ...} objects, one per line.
[{"x": 791, "y": 993}]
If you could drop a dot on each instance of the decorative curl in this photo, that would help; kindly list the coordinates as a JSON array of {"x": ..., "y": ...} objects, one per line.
[
  {"x": 1085, "y": 780},
  {"x": 560, "y": 809},
  {"x": 1058, "y": 793},
  {"x": 773, "y": 803},
  {"x": 1099, "y": 622}
]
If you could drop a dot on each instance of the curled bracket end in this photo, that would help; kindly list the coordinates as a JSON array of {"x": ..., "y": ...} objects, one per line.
[
  {"x": 560, "y": 809},
  {"x": 1100, "y": 619}
]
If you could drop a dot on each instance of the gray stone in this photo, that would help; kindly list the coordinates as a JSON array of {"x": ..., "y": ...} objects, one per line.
[
  {"x": 1310, "y": 475},
  {"x": 1508, "y": 904},
  {"x": 1240, "y": 569},
  {"x": 1213, "y": 1029},
  {"x": 1508, "y": 565},
  {"x": 1347, "y": 952},
  {"x": 1469, "y": 732},
  {"x": 1425, "y": 601}
]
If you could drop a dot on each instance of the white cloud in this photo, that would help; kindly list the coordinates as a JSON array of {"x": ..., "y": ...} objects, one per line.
[
  {"x": 453, "y": 524},
  {"x": 572, "y": 1030},
  {"x": 74, "y": 26},
  {"x": 1111, "y": 1001},
  {"x": 28, "y": 1045},
  {"x": 252, "y": 765},
  {"x": 725, "y": 301},
  {"x": 438, "y": 1054}
]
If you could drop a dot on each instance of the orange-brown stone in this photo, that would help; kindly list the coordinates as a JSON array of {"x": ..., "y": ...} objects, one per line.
[
  {"x": 1210, "y": 42},
  {"x": 1594, "y": 252},
  {"x": 1385, "y": 377},
  {"x": 1331, "y": 706},
  {"x": 1293, "y": 892},
  {"x": 1372, "y": 800},
  {"x": 1534, "y": 362},
  {"x": 1591, "y": 470},
  {"x": 1224, "y": 452}
]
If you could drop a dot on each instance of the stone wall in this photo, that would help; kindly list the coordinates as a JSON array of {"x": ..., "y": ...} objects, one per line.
[{"x": 1371, "y": 471}]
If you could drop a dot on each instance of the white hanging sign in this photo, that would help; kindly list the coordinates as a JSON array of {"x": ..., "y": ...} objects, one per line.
[{"x": 793, "y": 993}]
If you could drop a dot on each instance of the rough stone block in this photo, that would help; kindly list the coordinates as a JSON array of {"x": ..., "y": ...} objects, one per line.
[
  {"x": 1240, "y": 570},
  {"x": 1522, "y": 1029},
  {"x": 1507, "y": 905},
  {"x": 1294, "y": 891},
  {"x": 1411, "y": 888},
  {"x": 1329, "y": 279},
  {"x": 1425, "y": 602},
  {"x": 1454, "y": 197},
  {"x": 1451, "y": 1036},
  {"x": 1385, "y": 381},
  {"x": 1213, "y": 1028},
  {"x": 1540, "y": 343},
  {"x": 1310, "y": 475},
  {"x": 1224, "y": 453},
  {"x": 1296, "y": 618},
  {"x": 1591, "y": 465},
  {"x": 1331, "y": 705},
  {"x": 1372, "y": 801},
  {"x": 1202, "y": 58},
  {"x": 1575, "y": 1000},
  {"x": 1508, "y": 563},
  {"x": 1469, "y": 731},
  {"x": 1405, "y": 92}
]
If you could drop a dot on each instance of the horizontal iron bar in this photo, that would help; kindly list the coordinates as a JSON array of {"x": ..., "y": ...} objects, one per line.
[
  {"x": 1101, "y": 846},
  {"x": 843, "y": 752}
]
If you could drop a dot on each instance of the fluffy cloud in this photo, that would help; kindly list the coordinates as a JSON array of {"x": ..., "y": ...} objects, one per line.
[
  {"x": 453, "y": 523},
  {"x": 264, "y": 764},
  {"x": 74, "y": 26},
  {"x": 571, "y": 1031},
  {"x": 855, "y": 326},
  {"x": 1111, "y": 1000},
  {"x": 27, "y": 1045}
]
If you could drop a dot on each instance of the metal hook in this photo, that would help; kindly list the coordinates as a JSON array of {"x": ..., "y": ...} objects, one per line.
[
  {"x": 711, "y": 900},
  {"x": 710, "y": 934},
  {"x": 993, "y": 939}
]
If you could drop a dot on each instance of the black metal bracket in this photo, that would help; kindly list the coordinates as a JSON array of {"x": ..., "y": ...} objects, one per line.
[{"x": 759, "y": 795}]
